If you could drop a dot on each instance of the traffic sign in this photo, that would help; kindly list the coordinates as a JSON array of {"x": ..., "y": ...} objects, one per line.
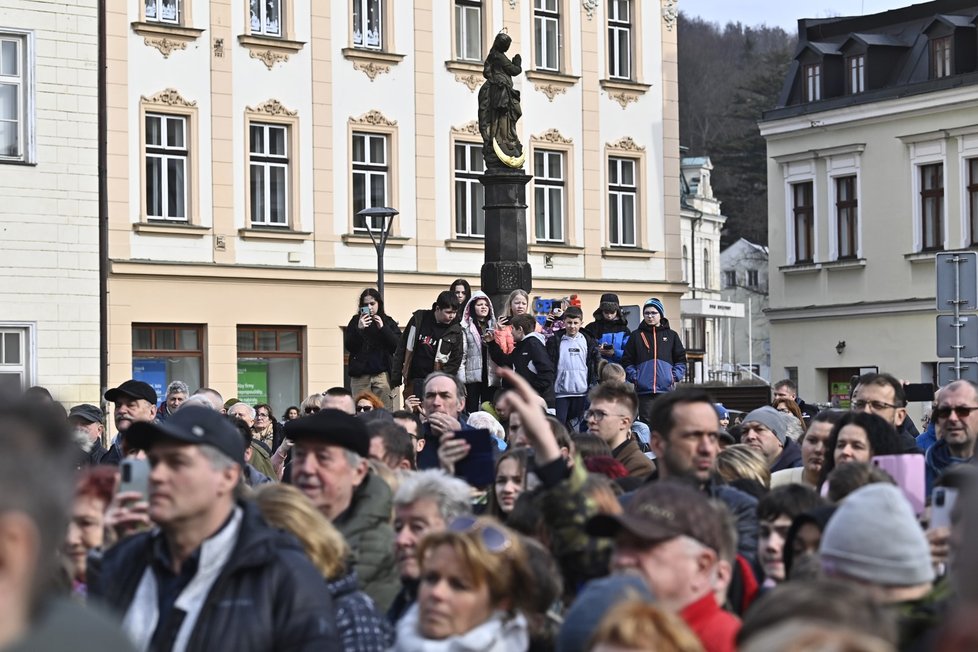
[
  {"x": 946, "y": 375},
  {"x": 957, "y": 280},
  {"x": 946, "y": 337}
]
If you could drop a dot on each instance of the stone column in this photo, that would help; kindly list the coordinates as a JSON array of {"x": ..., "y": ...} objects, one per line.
[{"x": 506, "y": 267}]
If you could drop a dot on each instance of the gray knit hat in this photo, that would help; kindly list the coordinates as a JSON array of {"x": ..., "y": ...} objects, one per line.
[
  {"x": 874, "y": 536},
  {"x": 771, "y": 418}
]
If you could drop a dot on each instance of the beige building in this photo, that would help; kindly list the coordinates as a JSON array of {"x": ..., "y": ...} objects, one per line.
[
  {"x": 873, "y": 167},
  {"x": 49, "y": 284},
  {"x": 244, "y": 137}
]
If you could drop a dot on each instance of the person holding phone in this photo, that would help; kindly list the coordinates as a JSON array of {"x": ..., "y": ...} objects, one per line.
[
  {"x": 609, "y": 328},
  {"x": 517, "y": 303},
  {"x": 371, "y": 337},
  {"x": 477, "y": 371}
]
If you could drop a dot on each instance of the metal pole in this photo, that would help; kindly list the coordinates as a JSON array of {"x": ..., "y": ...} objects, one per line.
[
  {"x": 750, "y": 335},
  {"x": 957, "y": 260}
]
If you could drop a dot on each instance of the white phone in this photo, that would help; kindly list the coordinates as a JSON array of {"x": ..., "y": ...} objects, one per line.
[
  {"x": 941, "y": 506},
  {"x": 134, "y": 476}
]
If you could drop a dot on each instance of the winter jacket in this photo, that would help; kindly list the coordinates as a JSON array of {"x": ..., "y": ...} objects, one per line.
[
  {"x": 371, "y": 348},
  {"x": 366, "y": 526},
  {"x": 443, "y": 342},
  {"x": 614, "y": 332},
  {"x": 504, "y": 337},
  {"x": 267, "y": 595},
  {"x": 937, "y": 460},
  {"x": 592, "y": 358},
  {"x": 633, "y": 459},
  {"x": 789, "y": 458},
  {"x": 500, "y": 633},
  {"x": 654, "y": 359},
  {"x": 743, "y": 507},
  {"x": 530, "y": 360},
  {"x": 475, "y": 352},
  {"x": 361, "y": 627}
]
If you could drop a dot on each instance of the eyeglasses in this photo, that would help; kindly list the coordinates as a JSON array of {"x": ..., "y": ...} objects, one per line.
[
  {"x": 494, "y": 539},
  {"x": 364, "y": 408},
  {"x": 261, "y": 415},
  {"x": 876, "y": 405},
  {"x": 599, "y": 415},
  {"x": 311, "y": 410},
  {"x": 963, "y": 411}
]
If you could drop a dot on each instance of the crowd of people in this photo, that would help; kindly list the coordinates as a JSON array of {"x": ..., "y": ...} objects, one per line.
[{"x": 491, "y": 484}]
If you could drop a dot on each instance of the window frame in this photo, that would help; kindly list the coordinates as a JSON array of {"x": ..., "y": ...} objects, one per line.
[
  {"x": 941, "y": 66},
  {"x": 806, "y": 213},
  {"x": 25, "y": 83},
  {"x": 543, "y": 181},
  {"x": 374, "y": 123},
  {"x": 556, "y": 17},
  {"x": 471, "y": 179},
  {"x": 812, "y": 81},
  {"x": 384, "y": 8},
  {"x": 936, "y": 195},
  {"x": 753, "y": 278},
  {"x": 200, "y": 353},
  {"x": 268, "y": 162},
  {"x": 284, "y": 30},
  {"x": 615, "y": 29},
  {"x": 458, "y": 26},
  {"x": 28, "y": 345},
  {"x": 856, "y": 74},
  {"x": 170, "y": 103},
  {"x": 618, "y": 191},
  {"x": 277, "y": 354},
  {"x": 370, "y": 169},
  {"x": 971, "y": 194},
  {"x": 842, "y": 206},
  {"x": 180, "y": 18},
  {"x": 729, "y": 278},
  {"x": 167, "y": 152}
]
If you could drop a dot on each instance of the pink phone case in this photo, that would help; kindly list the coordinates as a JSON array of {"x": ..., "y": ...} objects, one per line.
[{"x": 908, "y": 471}]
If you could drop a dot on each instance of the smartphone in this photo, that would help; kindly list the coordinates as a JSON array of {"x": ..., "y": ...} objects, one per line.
[
  {"x": 134, "y": 477},
  {"x": 941, "y": 506},
  {"x": 908, "y": 472},
  {"x": 914, "y": 392},
  {"x": 478, "y": 467},
  {"x": 364, "y": 310}
]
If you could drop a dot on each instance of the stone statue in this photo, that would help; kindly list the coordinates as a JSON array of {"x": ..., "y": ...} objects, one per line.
[{"x": 499, "y": 107}]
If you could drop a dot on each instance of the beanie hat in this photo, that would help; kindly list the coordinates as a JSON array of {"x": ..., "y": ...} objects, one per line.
[
  {"x": 721, "y": 411},
  {"x": 655, "y": 303},
  {"x": 874, "y": 536},
  {"x": 609, "y": 301},
  {"x": 770, "y": 418},
  {"x": 595, "y": 600}
]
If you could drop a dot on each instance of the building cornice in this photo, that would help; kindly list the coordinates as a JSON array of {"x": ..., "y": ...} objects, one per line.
[{"x": 856, "y": 309}]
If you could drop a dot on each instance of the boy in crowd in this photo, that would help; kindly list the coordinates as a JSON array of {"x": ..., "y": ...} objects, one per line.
[
  {"x": 529, "y": 357},
  {"x": 575, "y": 357},
  {"x": 775, "y": 512}
]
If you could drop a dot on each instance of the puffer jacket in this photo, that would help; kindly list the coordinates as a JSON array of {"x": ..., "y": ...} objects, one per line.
[
  {"x": 372, "y": 348},
  {"x": 366, "y": 526},
  {"x": 268, "y": 595},
  {"x": 654, "y": 358},
  {"x": 362, "y": 628},
  {"x": 614, "y": 332},
  {"x": 475, "y": 352}
]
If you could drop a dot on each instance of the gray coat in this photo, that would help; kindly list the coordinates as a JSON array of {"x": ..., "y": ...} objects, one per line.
[{"x": 473, "y": 349}]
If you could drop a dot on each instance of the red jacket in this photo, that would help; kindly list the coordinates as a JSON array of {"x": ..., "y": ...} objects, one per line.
[{"x": 716, "y": 628}]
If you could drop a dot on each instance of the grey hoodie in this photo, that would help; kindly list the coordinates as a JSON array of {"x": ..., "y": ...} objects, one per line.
[{"x": 474, "y": 353}]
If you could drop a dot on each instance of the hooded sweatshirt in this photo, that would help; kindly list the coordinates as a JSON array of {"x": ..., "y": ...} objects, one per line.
[
  {"x": 477, "y": 366},
  {"x": 530, "y": 360},
  {"x": 654, "y": 358}
]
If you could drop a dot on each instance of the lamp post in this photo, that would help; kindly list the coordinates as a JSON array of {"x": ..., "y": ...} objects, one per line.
[{"x": 386, "y": 215}]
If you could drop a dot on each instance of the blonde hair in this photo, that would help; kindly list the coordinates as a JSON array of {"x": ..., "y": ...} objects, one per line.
[
  {"x": 286, "y": 508},
  {"x": 740, "y": 461},
  {"x": 505, "y": 573},
  {"x": 507, "y": 309},
  {"x": 636, "y": 624}
]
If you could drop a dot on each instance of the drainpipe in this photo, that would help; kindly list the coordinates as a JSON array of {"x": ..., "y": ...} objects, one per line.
[{"x": 103, "y": 209}]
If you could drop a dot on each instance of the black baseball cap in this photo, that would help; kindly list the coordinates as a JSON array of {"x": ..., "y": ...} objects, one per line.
[
  {"x": 195, "y": 425},
  {"x": 87, "y": 412},
  {"x": 132, "y": 389},
  {"x": 333, "y": 427}
]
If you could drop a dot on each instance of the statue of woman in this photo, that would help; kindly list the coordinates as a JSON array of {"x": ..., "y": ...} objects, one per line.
[{"x": 499, "y": 107}]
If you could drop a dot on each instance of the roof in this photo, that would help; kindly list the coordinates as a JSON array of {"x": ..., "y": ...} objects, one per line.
[
  {"x": 871, "y": 40},
  {"x": 696, "y": 161}
]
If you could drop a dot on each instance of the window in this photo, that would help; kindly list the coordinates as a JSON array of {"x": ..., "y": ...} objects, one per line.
[
  {"x": 856, "y": 79},
  {"x": 368, "y": 29},
  {"x": 707, "y": 271},
  {"x": 546, "y": 34},
  {"x": 622, "y": 201},
  {"x": 266, "y": 17},
  {"x": 162, "y": 353},
  {"x": 940, "y": 57},
  {"x": 620, "y": 39},
  {"x": 13, "y": 96},
  {"x": 846, "y": 215},
  {"x": 370, "y": 174},
  {"x": 269, "y": 167},
  {"x": 932, "y": 206},
  {"x": 730, "y": 279},
  {"x": 270, "y": 366},
  {"x": 470, "y": 217},
  {"x": 804, "y": 213},
  {"x": 695, "y": 334},
  {"x": 752, "y": 278},
  {"x": 468, "y": 30},
  {"x": 167, "y": 11},
  {"x": 685, "y": 264},
  {"x": 166, "y": 167},
  {"x": 14, "y": 360},
  {"x": 548, "y": 195},
  {"x": 813, "y": 82},
  {"x": 973, "y": 198}
]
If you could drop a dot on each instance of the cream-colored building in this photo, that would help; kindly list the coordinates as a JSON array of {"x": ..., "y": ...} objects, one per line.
[
  {"x": 244, "y": 137},
  {"x": 49, "y": 282},
  {"x": 873, "y": 167}
]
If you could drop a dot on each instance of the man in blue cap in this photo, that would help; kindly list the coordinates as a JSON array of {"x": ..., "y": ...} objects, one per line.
[{"x": 654, "y": 357}]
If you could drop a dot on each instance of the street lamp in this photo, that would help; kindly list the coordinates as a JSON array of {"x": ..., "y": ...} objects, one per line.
[{"x": 385, "y": 216}]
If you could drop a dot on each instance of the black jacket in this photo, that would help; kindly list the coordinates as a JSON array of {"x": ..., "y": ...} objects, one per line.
[
  {"x": 446, "y": 339},
  {"x": 593, "y": 354},
  {"x": 372, "y": 348},
  {"x": 267, "y": 597},
  {"x": 529, "y": 351},
  {"x": 789, "y": 458}
]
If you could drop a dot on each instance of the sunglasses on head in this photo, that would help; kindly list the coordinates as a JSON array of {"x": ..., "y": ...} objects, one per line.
[
  {"x": 963, "y": 411},
  {"x": 493, "y": 538}
]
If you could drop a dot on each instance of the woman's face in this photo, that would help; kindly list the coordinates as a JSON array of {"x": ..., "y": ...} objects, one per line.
[
  {"x": 292, "y": 414},
  {"x": 783, "y": 407},
  {"x": 518, "y": 305},
  {"x": 85, "y": 532},
  {"x": 852, "y": 445},
  {"x": 363, "y": 405},
  {"x": 459, "y": 291},
  {"x": 371, "y": 303},
  {"x": 481, "y": 308},
  {"x": 509, "y": 484},
  {"x": 813, "y": 446},
  {"x": 449, "y": 601}
]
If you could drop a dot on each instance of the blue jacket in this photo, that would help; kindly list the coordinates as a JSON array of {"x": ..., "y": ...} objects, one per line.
[
  {"x": 938, "y": 459},
  {"x": 614, "y": 332},
  {"x": 654, "y": 359}
]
